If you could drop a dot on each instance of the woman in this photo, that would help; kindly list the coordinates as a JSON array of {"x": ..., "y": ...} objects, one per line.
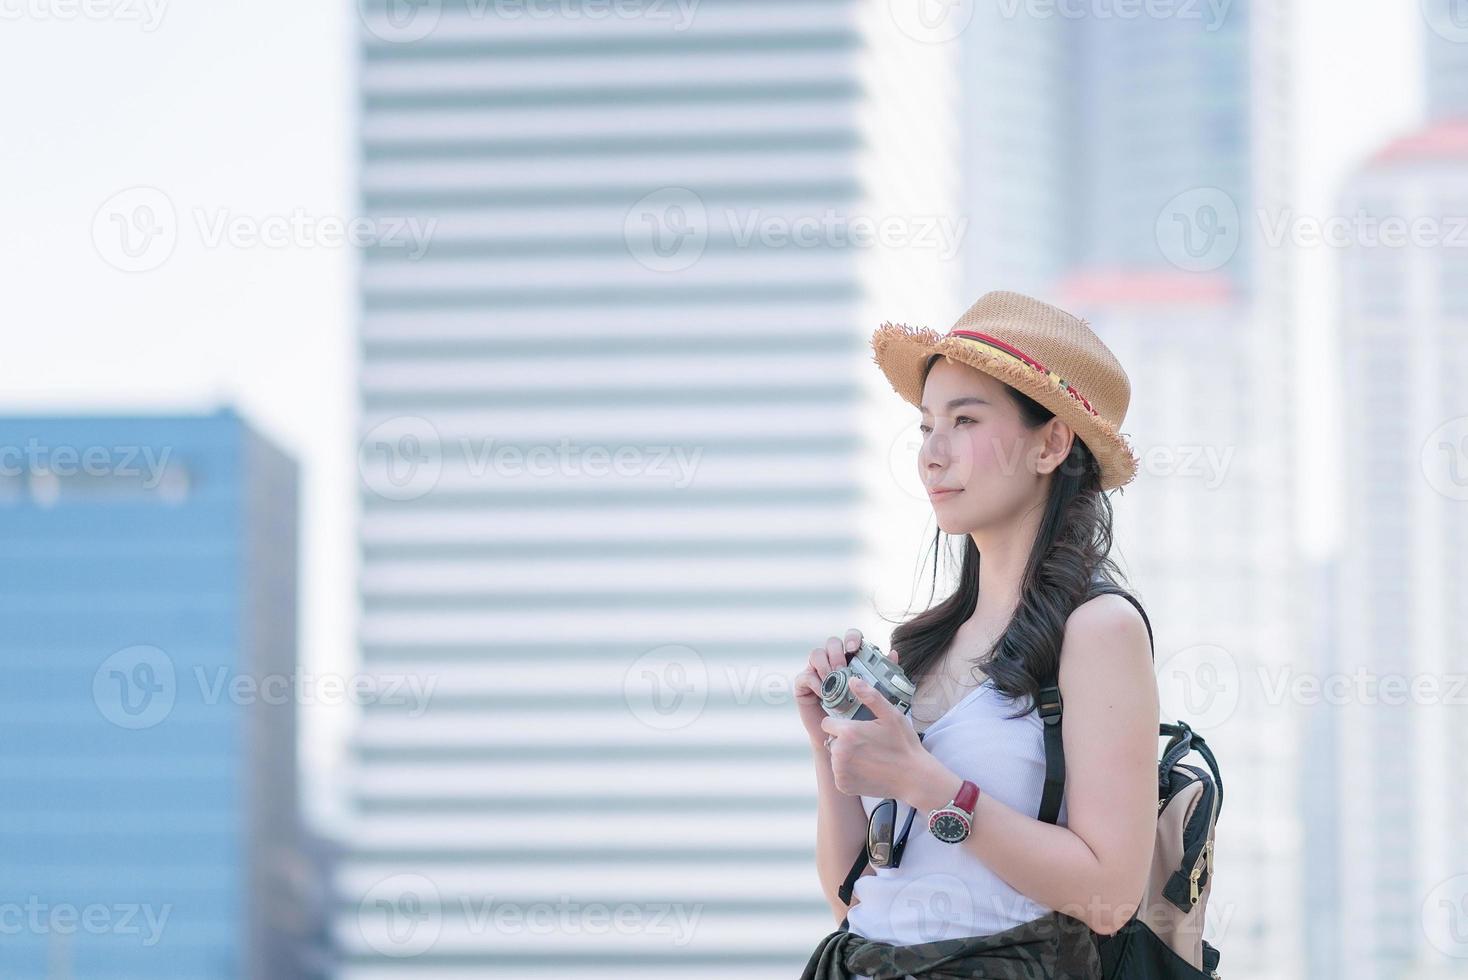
[{"x": 1021, "y": 406}]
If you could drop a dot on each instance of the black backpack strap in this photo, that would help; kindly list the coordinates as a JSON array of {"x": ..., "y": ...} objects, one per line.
[
  {"x": 857, "y": 868},
  {"x": 1050, "y": 707},
  {"x": 1182, "y": 740}
]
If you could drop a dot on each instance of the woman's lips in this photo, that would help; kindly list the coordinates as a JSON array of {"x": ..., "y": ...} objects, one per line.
[{"x": 936, "y": 494}]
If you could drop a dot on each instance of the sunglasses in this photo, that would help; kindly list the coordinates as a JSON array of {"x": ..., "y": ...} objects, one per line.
[{"x": 884, "y": 848}]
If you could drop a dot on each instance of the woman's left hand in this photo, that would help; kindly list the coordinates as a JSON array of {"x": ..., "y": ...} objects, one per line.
[{"x": 874, "y": 756}]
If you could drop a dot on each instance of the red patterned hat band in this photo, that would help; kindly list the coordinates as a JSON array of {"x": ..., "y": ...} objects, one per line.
[{"x": 1003, "y": 350}]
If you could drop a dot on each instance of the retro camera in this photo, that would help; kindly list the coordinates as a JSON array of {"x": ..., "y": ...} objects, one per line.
[{"x": 872, "y": 666}]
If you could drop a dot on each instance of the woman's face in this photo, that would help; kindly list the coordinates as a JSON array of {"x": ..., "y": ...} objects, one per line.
[{"x": 976, "y": 447}]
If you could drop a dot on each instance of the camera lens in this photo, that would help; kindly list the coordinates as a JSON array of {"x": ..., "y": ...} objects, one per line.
[{"x": 833, "y": 688}]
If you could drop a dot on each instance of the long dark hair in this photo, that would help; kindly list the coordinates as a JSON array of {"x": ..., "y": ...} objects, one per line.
[{"x": 1070, "y": 552}]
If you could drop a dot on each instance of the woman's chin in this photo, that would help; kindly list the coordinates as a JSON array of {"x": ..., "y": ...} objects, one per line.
[{"x": 948, "y": 525}]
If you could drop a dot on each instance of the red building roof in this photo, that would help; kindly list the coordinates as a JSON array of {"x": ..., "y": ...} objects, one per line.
[
  {"x": 1441, "y": 142},
  {"x": 1135, "y": 287}
]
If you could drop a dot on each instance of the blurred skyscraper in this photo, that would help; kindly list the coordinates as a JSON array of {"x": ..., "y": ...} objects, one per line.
[
  {"x": 1134, "y": 165},
  {"x": 1018, "y": 115},
  {"x": 1321, "y": 854},
  {"x": 1447, "y": 58},
  {"x": 617, "y": 448},
  {"x": 150, "y": 825},
  {"x": 1402, "y": 737}
]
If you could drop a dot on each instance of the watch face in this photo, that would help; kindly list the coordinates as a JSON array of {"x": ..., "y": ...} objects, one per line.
[{"x": 949, "y": 827}]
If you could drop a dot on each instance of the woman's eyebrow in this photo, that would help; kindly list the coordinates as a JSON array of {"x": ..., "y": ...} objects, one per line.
[{"x": 965, "y": 400}]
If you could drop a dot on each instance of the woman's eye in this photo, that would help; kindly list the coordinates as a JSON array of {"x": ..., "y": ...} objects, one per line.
[{"x": 925, "y": 429}]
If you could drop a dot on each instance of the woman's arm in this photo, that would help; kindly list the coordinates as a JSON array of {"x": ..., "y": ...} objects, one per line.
[
  {"x": 841, "y": 820},
  {"x": 1096, "y": 868},
  {"x": 841, "y": 830}
]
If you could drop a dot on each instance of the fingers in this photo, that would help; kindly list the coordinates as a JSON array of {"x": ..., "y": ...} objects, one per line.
[
  {"x": 821, "y": 662},
  {"x": 853, "y": 640},
  {"x": 835, "y": 653},
  {"x": 807, "y": 683},
  {"x": 872, "y": 698},
  {"x": 835, "y": 726}
]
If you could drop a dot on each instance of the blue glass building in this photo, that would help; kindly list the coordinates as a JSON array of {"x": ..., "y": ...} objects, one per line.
[{"x": 147, "y": 719}]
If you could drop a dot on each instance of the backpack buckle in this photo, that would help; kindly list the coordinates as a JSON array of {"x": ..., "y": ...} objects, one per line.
[{"x": 1050, "y": 705}]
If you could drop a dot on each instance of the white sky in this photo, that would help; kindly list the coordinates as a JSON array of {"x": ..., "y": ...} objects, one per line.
[{"x": 248, "y": 111}]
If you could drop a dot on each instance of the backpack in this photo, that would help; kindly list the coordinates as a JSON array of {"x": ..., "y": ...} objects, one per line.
[{"x": 1164, "y": 939}]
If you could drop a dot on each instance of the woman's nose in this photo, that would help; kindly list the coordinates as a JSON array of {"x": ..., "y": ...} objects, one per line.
[{"x": 934, "y": 453}]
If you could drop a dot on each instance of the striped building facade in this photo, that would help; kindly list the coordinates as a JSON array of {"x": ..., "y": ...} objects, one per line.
[{"x": 617, "y": 454}]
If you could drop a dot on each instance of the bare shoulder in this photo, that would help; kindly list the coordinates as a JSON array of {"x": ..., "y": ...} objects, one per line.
[
  {"x": 1107, "y": 615},
  {"x": 1106, "y": 642}
]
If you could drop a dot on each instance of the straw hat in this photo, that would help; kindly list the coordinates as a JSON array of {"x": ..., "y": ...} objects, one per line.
[{"x": 1043, "y": 352}]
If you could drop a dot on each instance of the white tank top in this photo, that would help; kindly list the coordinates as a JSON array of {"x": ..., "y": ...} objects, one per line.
[{"x": 941, "y": 891}]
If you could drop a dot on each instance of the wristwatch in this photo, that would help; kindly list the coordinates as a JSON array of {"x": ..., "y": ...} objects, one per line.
[{"x": 951, "y": 823}]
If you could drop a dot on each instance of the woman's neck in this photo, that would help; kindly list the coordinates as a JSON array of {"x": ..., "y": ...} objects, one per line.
[{"x": 1004, "y": 554}]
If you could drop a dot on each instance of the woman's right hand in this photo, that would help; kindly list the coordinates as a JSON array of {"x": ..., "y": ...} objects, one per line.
[{"x": 823, "y": 660}]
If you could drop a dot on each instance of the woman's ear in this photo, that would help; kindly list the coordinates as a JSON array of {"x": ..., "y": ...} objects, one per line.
[{"x": 1055, "y": 446}]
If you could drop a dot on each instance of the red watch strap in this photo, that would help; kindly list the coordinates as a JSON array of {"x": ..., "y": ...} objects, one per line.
[{"x": 968, "y": 796}]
